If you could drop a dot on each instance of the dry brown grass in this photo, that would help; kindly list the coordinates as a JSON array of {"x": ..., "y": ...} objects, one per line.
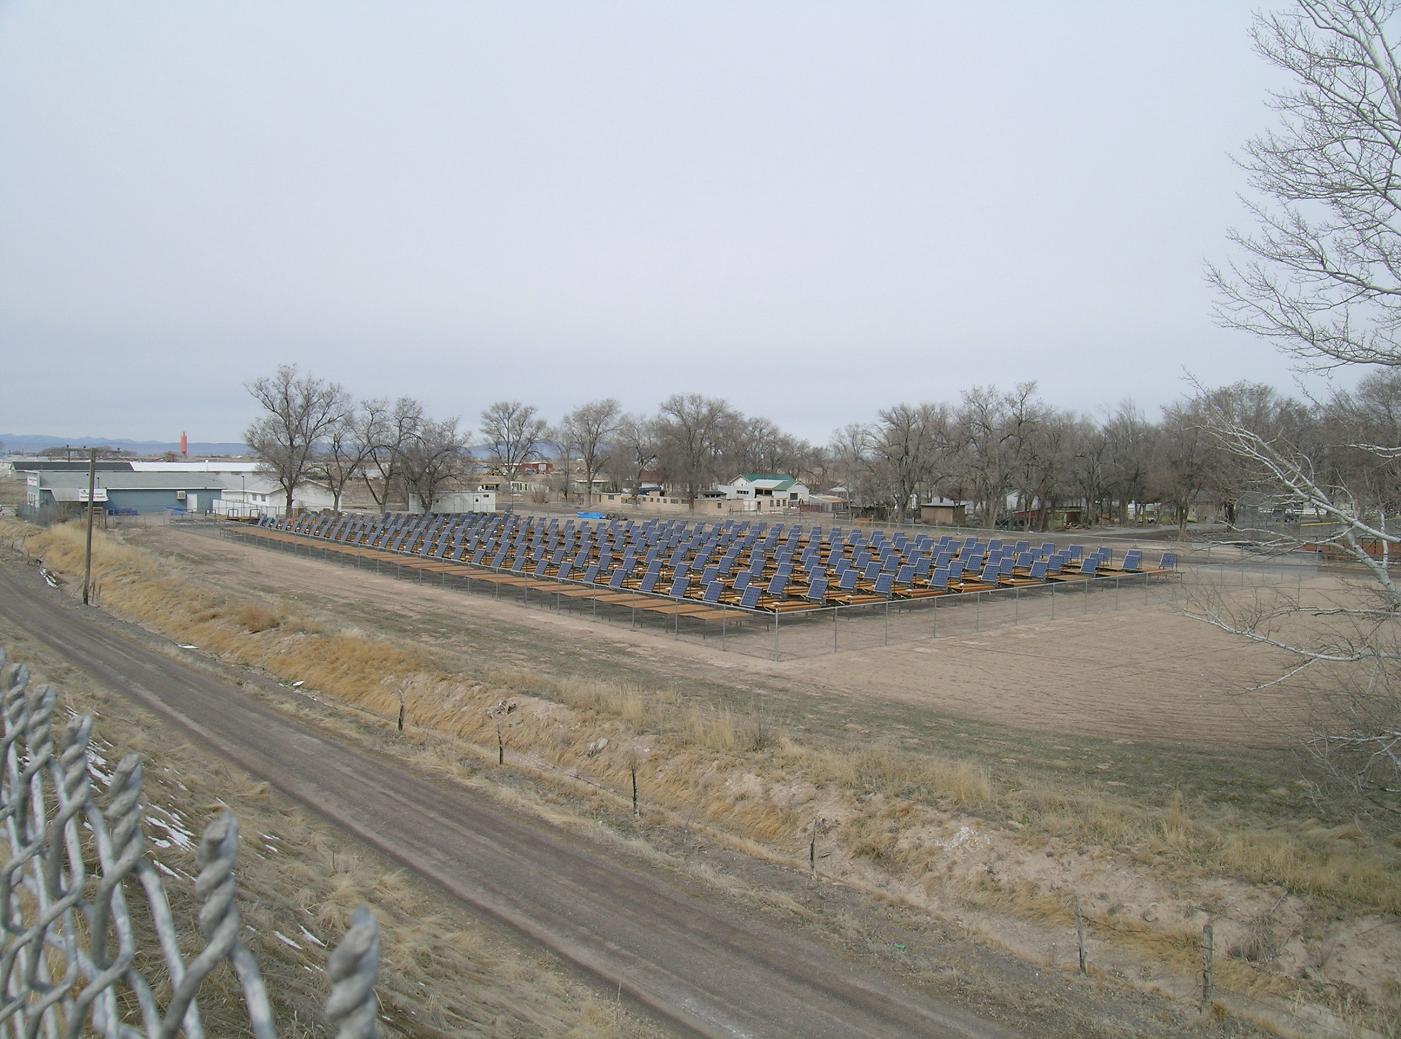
[
  {"x": 1318, "y": 860},
  {"x": 728, "y": 768},
  {"x": 887, "y": 770},
  {"x": 368, "y": 673},
  {"x": 442, "y": 972}
]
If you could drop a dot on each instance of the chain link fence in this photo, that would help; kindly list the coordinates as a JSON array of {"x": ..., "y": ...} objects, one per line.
[{"x": 79, "y": 898}]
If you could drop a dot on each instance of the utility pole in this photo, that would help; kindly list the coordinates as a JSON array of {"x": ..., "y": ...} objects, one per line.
[{"x": 87, "y": 552}]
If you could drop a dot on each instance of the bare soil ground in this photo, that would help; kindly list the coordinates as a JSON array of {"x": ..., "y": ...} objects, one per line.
[
  {"x": 1139, "y": 673},
  {"x": 1080, "y": 698},
  {"x": 1123, "y": 763}
]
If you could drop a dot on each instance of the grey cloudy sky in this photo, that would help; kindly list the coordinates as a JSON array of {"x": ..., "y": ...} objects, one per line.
[{"x": 811, "y": 209}]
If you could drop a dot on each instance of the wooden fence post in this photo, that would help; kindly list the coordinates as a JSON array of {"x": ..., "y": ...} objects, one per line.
[
  {"x": 1080, "y": 935},
  {"x": 1208, "y": 951}
]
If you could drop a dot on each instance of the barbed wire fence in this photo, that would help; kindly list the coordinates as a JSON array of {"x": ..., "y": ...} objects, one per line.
[{"x": 73, "y": 875}]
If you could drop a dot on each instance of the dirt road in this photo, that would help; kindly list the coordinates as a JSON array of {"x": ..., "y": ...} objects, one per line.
[{"x": 706, "y": 969}]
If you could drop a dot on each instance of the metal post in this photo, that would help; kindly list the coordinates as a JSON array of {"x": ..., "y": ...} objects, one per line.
[
  {"x": 977, "y": 611},
  {"x": 87, "y": 551},
  {"x": 775, "y": 635},
  {"x": 887, "y": 622},
  {"x": 1208, "y": 950},
  {"x": 1016, "y": 605},
  {"x": 1053, "y": 600}
]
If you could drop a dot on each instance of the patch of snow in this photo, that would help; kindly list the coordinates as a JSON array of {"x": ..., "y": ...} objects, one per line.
[
  {"x": 173, "y": 825},
  {"x": 965, "y": 835}
]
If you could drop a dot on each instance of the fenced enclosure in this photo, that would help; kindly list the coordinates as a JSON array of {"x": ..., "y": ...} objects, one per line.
[
  {"x": 84, "y": 906},
  {"x": 833, "y": 629}
]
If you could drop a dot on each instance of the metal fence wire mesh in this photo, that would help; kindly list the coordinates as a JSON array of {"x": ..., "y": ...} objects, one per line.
[{"x": 69, "y": 901}]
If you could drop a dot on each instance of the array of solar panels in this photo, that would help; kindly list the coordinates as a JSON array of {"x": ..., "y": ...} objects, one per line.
[{"x": 751, "y": 564}]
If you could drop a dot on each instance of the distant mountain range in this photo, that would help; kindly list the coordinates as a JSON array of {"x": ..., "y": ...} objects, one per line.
[{"x": 28, "y": 443}]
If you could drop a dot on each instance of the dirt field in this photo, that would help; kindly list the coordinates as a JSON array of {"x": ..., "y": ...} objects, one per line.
[{"x": 1145, "y": 673}]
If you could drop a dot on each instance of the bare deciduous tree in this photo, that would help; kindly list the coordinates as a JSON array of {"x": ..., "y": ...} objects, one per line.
[
  {"x": 432, "y": 457},
  {"x": 1182, "y": 459},
  {"x": 850, "y": 454},
  {"x": 513, "y": 434},
  {"x": 1320, "y": 275},
  {"x": 693, "y": 432},
  {"x": 1129, "y": 441},
  {"x": 993, "y": 428},
  {"x": 342, "y": 456},
  {"x": 1045, "y": 464},
  {"x": 908, "y": 446},
  {"x": 298, "y": 411},
  {"x": 1089, "y": 462},
  {"x": 386, "y": 431},
  {"x": 635, "y": 451},
  {"x": 588, "y": 428}
]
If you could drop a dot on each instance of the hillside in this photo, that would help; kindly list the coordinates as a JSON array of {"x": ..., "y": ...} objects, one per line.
[{"x": 28, "y": 443}]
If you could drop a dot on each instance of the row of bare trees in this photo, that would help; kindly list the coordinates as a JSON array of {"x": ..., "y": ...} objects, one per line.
[
  {"x": 311, "y": 430},
  {"x": 1000, "y": 450},
  {"x": 1011, "y": 451}
]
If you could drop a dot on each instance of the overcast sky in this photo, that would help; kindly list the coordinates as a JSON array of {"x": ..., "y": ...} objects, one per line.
[{"x": 811, "y": 209}]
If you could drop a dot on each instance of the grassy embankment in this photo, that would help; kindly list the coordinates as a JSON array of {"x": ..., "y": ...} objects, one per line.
[{"x": 443, "y": 973}]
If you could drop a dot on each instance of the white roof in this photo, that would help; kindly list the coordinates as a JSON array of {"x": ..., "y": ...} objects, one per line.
[
  {"x": 129, "y": 481},
  {"x": 197, "y": 467}
]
